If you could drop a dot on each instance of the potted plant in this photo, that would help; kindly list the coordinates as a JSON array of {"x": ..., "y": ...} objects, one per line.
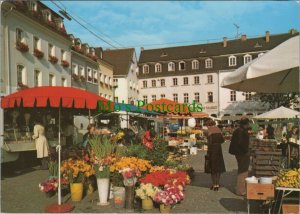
[
  {"x": 39, "y": 54},
  {"x": 147, "y": 192},
  {"x": 21, "y": 46},
  {"x": 75, "y": 76},
  {"x": 21, "y": 86},
  {"x": 102, "y": 152},
  {"x": 76, "y": 171},
  {"x": 49, "y": 187},
  {"x": 53, "y": 59},
  {"x": 65, "y": 63},
  {"x": 90, "y": 79},
  {"x": 82, "y": 78}
]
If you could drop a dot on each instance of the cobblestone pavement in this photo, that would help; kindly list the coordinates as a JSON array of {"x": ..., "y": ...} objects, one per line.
[{"x": 20, "y": 193}]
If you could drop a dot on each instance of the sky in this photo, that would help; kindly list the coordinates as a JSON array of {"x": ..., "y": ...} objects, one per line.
[{"x": 155, "y": 24}]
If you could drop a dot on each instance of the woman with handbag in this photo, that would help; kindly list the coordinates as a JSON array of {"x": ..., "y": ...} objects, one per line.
[{"x": 214, "y": 153}]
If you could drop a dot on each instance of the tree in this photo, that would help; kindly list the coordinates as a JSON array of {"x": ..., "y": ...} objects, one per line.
[{"x": 277, "y": 100}]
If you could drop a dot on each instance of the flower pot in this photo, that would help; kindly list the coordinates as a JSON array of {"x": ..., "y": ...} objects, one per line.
[
  {"x": 50, "y": 194},
  {"x": 103, "y": 189},
  {"x": 76, "y": 191},
  {"x": 129, "y": 193},
  {"x": 164, "y": 208},
  {"x": 147, "y": 204},
  {"x": 119, "y": 197}
]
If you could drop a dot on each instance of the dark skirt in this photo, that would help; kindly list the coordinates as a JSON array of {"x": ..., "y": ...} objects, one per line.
[{"x": 216, "y": 158}]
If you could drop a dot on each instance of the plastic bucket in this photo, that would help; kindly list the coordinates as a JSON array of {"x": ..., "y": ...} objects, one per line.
[
  {"x": 119, "y": 197},
  {"x": 76, "y": 191}
]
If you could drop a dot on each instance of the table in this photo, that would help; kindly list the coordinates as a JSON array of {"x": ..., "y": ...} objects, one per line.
[{"x": 285, "y": 192}]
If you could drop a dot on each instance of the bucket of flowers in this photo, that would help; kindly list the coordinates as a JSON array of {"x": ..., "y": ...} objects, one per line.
[
  {"x": 49, "y": 186},
  {"x": 168, "y": 197},
  {"x": 147, "y": 192}
]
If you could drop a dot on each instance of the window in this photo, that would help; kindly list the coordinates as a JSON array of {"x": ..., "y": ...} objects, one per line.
[
  {"x": 93, "y": 51},
  {"x": 32, "y": 5},
  {"x": 21, "y": 75},
  {"x": 175, "y": 97},
  {"x": 195, "y": 64},
  {"x": 210, "y": 97},
  {"x": 162, "y": 83},
  {"x": 145, "y": 84},
  {"x": 153, "y": 83},
  {"x": 50, "y": 50},
  {"x": 75, "y": 69},
  {"x": 36, "y": 43},
  {"x": 175, "y": 82},
  {"x": 51, "y": 80},
  {"x": 116, "y": 99},
  {"x": 209, "y": 79},
  {"x": 81, "y": 71},
  {"x": 96, "y": 76},
  {"x": 208, "y": 63},
  {"x": 185, "y": 98},
  {"x": 157, "y": 67},
  {"x": 162, "y": 96},
  {"x": 37, "y": 78},
  {"x": 63, "y": 82},
  {"x": 145, "y": 98},
  {"x": 19, "y": 35},
  {"x": 196, "y": 80},
  {"x": 115, "y": 83},
  {"x": 232, "y": 95},
  {"x": 232, "y": 61},
  {"x": 247, "y": 58},
  {"x": 181, "y": 66},
  {"x": 197, "y": 97},
  {"x": 185, "y": 80},
  {"x": 47, "y": 15},
  {"x": 171, "y": 66},
  {"x": 90, "y": 75},
  {"x": 153, "y": 98},
  {"x": 248, "y": 96},
  {"x": 62, "y": 55},
  {"x": 145, "y": 69}
]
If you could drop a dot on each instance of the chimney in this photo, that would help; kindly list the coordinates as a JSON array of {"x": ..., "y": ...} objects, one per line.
[
  {"x": 267, "y": 36},
  {"x": 224, "y": 42},
  {"x": 142, "y": 48},
  {"x": 244, "y": 37}
]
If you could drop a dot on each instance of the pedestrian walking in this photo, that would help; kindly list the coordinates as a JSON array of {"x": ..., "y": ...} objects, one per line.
[
  {"x": 239, "y": 146},
  {"x": 214, "y": 152}
]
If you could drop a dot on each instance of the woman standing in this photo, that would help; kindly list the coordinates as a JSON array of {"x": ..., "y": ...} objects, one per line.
[{"x": 217, "y": 165}]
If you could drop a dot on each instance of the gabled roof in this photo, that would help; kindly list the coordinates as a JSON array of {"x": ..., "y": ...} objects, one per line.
[
  {"x": 120, "y": 59},
  {"x": 212, "y": 49}
]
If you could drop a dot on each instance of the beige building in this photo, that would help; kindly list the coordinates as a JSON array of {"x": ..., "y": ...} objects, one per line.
[{"x": 106, "y": 87}]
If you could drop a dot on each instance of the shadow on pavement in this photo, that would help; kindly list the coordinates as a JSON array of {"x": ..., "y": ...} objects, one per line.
[{"x": 234, "y": 204}]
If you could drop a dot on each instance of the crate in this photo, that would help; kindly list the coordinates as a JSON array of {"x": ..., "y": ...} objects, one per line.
[
  {"x": 290, "y": 208},
  {"x": 260, "y": 191}
]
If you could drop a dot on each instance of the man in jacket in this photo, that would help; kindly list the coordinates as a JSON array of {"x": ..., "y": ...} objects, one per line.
[{"x": 239, "y": 147}]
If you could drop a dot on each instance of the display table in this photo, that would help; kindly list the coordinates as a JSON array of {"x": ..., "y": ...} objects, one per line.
[{"x": 284, "y": 192}]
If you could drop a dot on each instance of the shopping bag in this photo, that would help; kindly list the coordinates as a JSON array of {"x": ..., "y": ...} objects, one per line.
[{"x": 207, "y": 165}]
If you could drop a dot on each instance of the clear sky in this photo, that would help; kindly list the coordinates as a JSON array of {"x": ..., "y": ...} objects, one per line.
[{"x": 136, "y": 24}]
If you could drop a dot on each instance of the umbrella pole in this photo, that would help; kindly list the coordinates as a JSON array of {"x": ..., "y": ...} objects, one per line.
[{"x": 59, "y": 160}]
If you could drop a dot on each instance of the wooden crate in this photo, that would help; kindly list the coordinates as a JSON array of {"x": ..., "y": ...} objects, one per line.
[
  {"x": 260, "y": 191},
  {"x": 290, "y": 208}
]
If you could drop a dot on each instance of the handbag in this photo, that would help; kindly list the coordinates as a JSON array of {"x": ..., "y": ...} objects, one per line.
[{"x": 207, "y": 165}]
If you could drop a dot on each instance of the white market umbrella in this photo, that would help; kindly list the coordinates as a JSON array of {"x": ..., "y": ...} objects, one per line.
[
  {"x": 277, "y": 71},
  {"x": 279, "y": 113}
]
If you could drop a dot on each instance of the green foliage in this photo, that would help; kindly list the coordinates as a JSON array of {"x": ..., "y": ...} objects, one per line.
[
  {"x": 159, "y": 154},
  {"x": 53, "y": 168},
  {"x": 116, "y": 179},
  {"x": 105, "y": 173},
  {"x": 137, "y": 150},
  {"x": 172, "y": 163},
  {"x": 120, "y": 151},
  {"x": 101, "y": 146}
]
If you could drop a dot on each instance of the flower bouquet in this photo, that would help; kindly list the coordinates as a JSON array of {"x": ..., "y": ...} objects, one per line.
[
  {"x": 146, "y": 191},
  {"x": 129, "y": 176},
  {"x": 50, "y": 186}
]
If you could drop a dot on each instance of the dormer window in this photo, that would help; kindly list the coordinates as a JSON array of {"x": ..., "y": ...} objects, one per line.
[
  {"x": 195, "y": 64},
  {"x": 232, "y": 61},
  {"x": 87, "y": 49},
  {"x": 32, "y": 5},
  {"x": 145, "y": 69},
  {"x": 157, "y": 67},
  {"x": 78, "y": 43},
  {"x": 47, "y": 15},
  {"x": 171, "y": 66},
  {"x": 181, "y": 65},
  {"x": 93, "y": 51},
  {"x": 208, "y": 63},
  {"x": 247, "y": 58}
]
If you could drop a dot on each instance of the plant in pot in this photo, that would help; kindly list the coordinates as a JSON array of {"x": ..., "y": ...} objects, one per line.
[
  {"x": 39, "y": 54},
  {"x": 102, "y": 152},
  {"x": 76, "y": 171},
  {"x": 147, "y": 192},
  {"x": 49, "y": 186},
  {"x": 65, "y": 63},
  {"x": 21, "y": 46}
]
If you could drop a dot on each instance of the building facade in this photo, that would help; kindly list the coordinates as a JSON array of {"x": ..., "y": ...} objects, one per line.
[
  {"x": 106, "y": 87},
  {"x": 125, "y": 70},
  {"x": 194, "y": 73}
]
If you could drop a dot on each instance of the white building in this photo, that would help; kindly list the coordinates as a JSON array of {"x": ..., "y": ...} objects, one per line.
[
  {"x": 195, "y": 72},
  {"x": 125, "y": 74}
]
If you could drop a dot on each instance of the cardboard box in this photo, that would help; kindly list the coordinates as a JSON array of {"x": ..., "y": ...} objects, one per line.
[
  {"x": 260, "y": 191},
  {"x": 290, "y": 208}
]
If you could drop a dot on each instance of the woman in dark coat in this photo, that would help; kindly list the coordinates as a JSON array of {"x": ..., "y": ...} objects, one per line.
[{"x": 217, "y": 165}]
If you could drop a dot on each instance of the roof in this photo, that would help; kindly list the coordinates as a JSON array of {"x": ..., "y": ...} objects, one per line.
[
  {"x": 121, "y": 59},
  {"x": 215, "y": 51}
]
